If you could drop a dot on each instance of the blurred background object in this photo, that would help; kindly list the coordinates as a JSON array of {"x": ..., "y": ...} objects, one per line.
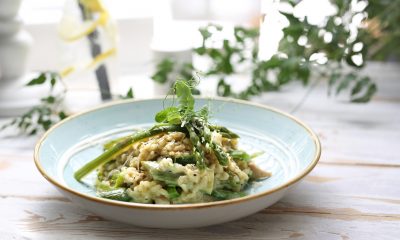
[
  {"x": 15, "y": 43},
  {"x": 239, "y": 48},
  {"x": 89, "y": 43}
]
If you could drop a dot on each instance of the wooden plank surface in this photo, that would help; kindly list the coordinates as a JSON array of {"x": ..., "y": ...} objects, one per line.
[{"x": 353, "y": 193}]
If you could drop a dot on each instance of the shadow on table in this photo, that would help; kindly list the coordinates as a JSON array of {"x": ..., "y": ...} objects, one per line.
[{"x": 62, "y": 218}]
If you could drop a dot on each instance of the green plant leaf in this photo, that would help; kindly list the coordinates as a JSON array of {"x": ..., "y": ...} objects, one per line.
[
  {"x": 174, "y": 117},
  {"x": 223, "y": 89},
  {"x": 37, "y": 81},
  {"x": 128, "y": 95},
  {"x": 53, "y": 81},
  {"x": 332, "y": 81},
  {"x": 368, "y": 94},
  {"x": 50, "y": 99},
  {"x": 42, "y": 116},
  {"x": 62, "y": 115},
  {"x": 162, "y": 115},
  {"x": 164, "y": 68},
  {"x": 184, "y": 94},
  {"x": 304, "y": 74},
  {"x": 363, "y": 82},
  {"x": 204, "y": 112},
  {"x": 345, "y": 82}
]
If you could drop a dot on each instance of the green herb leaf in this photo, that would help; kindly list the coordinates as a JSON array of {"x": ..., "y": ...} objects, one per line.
[
  {"x": 37, "y": 81},
  {"x": 184, "y": 94},
  {"x": 204, "y": 113},
  {"x": 167, "y": 115},
  {"x": 174, "y": 117}
]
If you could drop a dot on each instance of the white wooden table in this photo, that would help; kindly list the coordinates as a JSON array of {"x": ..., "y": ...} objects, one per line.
[{"x": 353, "y": 193}]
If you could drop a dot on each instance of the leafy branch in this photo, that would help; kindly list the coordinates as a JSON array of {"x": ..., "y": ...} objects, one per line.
[
  {"x": 50, "y": 109},
  {"x": 48, "y": 112},
  {"x": 166, "y": 69},
  {"x": 306, "y": 50},
  {"x": 382, "y": 31}
]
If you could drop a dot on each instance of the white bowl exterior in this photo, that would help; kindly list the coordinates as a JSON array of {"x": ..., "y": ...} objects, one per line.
[{"x": 177, "y": 218}]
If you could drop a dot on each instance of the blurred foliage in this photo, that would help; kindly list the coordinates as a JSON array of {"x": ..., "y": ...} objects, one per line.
[
  {"x": 41, "y": 117},
  {"x": 335, "y": 50},
  {"x": 335, "y": 42},
  {"x": 168, "y": 69},
  {"x": 50, "y": 109},
  {"x": 164, "y": 68},
  {"x": 382, "y": 32}
]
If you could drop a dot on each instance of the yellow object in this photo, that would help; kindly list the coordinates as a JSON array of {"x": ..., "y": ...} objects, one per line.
[
  {"x": 80, "y": 32},
  {"x": 72, "y": 29},
  {"x": 93, "y": 5},
  {"x": 66, "y": 71},
  {"x": 101, "y": 57}
]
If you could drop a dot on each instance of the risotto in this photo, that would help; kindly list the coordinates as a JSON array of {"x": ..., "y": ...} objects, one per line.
[{"x": 182, "y": 159}]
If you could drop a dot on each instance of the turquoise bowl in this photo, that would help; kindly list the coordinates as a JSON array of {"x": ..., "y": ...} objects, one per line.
[{"x": 290, "y": 151}]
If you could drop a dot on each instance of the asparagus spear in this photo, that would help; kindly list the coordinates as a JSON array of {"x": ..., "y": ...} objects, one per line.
[
  {"x": 185, "y": 159},
  {"x": 111, "y": 143},
  {"x": 241, "y": 155},
  {"x": 116, "y": 194},
  {"x": 225, "y": 132},
  {"x": 198, "y": 151},
  {"x": 221, "y": 194},
  {"x": 219, "y": 153},
  {"x": 205, "y": 133},
  {"x": 168, "y": 177},
  {"x": 172, "y": 192},
  {"x": 121, "y": 147}
]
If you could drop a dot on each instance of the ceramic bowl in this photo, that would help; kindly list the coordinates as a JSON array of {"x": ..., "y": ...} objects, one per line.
[{"x": 291, "y": 150}]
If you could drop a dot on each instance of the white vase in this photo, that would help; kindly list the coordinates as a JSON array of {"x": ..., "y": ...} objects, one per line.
[
  {"x": 9, "y": 8},
  {"x": 14, "y": 47},
  {"x": 15, "y": 43}
]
